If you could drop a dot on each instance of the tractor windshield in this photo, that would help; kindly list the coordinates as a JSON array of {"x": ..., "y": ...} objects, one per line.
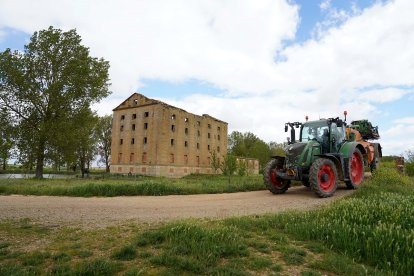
[{"x": 318, "y": 131}]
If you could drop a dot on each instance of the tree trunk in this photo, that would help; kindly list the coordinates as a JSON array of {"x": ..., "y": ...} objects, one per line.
[
  {"x": 39, "y": 166},
  {"x": 4, "y": 164},
  {"x": 107, "y": 163}
]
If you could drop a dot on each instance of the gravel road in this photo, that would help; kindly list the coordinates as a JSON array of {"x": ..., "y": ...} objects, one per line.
[{"x": 101, "y": 212}]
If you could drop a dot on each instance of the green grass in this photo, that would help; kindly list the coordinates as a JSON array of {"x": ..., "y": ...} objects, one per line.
[
  {"x": 151, "y": 186},
  {"x": 369, "y": 233}
]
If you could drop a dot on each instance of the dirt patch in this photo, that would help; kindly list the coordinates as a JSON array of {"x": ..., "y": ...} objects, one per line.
[{"x": 101, "y": 212}]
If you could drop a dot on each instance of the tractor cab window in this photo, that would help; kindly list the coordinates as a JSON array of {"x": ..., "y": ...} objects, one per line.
[
  {"x": 338, "y": 134},
  {"x": 316, "y": 131}
]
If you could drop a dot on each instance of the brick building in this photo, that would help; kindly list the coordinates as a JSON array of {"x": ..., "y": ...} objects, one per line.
[{"x": 153, "y": 138}]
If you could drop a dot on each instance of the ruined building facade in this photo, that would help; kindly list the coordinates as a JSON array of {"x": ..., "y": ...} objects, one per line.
[{"x": 150, "y": 137}]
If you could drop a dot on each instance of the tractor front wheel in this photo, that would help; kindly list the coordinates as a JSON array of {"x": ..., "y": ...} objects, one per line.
[
  {"x": 323, "y": 177},
  {"x": 356, "y": 170},
  {"x": 273, "y": 183}
]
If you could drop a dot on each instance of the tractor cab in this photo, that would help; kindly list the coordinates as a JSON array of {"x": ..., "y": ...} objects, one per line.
[{"x": 329, "y": 133}]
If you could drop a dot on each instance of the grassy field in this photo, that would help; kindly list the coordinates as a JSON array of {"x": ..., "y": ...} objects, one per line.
[
  {"x": 370, "y": 233},
  {"x": 130, "y": 186}
]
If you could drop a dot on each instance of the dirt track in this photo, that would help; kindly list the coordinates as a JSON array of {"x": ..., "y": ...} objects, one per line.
[{"x": 100, "y": 212}]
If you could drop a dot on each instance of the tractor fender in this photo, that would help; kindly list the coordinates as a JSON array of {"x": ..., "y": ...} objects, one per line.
[
  {"x": 348, "y": 148},
  {"x": 338, "y": 160}
]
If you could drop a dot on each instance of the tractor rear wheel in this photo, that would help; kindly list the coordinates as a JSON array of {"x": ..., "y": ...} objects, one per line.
[
  {"x": 323, "y": 177},
  {"x": 273, "y": 183},
  {"x": 356, "y": 170}
]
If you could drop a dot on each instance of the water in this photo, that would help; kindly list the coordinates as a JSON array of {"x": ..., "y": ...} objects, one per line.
[{"x": 22, "y": 176}]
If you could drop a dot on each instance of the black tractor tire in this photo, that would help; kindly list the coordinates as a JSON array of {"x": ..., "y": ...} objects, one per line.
[
  {"x": 306, "y": 182},
  {"x": 356, "y": 170},
  {"x": 271, "y": 181},
  {"x": 323, "y": 177}
]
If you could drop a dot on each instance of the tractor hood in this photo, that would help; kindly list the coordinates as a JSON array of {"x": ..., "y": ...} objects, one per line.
[{"x": 293, "y": 152}]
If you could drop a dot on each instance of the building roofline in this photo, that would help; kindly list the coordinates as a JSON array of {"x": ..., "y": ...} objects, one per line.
[{"x": 164, "y": 104}]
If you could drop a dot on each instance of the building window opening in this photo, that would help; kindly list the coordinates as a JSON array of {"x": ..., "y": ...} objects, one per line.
[
  {"x": 171, "y": 158},
  {"x": 208, "y": 135},
  {"x": 119, "y": 157},
  {"x": 133, "y": 126},
  {"x": 186, "y": 131},
  {"x": 144, "y": 157},
  {"x": 146, "y": 114},
  {"x": 121, "y": 141},
  {"x": 134, "y": 116},
  {"x": 198, "y": 133},
  {"x": 208, "y": 147},
  {"x": 173, "y": 117},
  {"x": 218, "y": 149},
  {"x": 145, "y": 125},
  {"x": 133, "y": 141},
  {"x": 218, "y": 128},
  {"x": 122, "y": 128},
  {"x": 186, "y": 159},
  {"x": 172, "y": 142},
  {"x": 198, "y": 146},
  {"x": 198, "y": 123},
  {"x": 186, "y": 120},
  {"x": 172, "y": 128},
  {"x": 131, "y": 158},
  {"x": 209, "y": 126},
  {"x": 218, "y": 137},
  {"x": 122, "y": 117},
  {"x": 145, "y": 140},
  {"x": 135, "y": 101},
  {"x": 185, "y": 144}
]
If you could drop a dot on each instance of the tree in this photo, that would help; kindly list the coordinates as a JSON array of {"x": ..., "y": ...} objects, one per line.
[
  {"x": 277, "y": 149},
  {"x": 215, "y": 161},
  {"x": 229, "y": 165},
  {"x": 249, "y": 145},
  {"x": 7, "y": 134},
  {"x": 103, "y": 134},
  {"x": 409, "y": 164},
  {"x": 47, "y": 86}
]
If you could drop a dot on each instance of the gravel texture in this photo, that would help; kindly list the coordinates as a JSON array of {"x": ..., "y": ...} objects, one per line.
[{"x": 108, "y": 211}]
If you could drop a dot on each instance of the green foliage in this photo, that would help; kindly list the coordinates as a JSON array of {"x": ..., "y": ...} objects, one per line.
[
  {"x": 193, "y": 247},
  {"x": 248, "y": 145},
  {"x": 127, "y": 252},
  {"x": 46, "y": 89},
  {"x": 293, "y": 255},
  {"x": 7, "y": 137},
  {"x": 96, "y": 267},
  {"x": 103, "y": 135},
  {"x": 241, "y": 168},
  {"x": 365, "y": 227},
  {"x": 409, "y": 164},
  {"x": 229, "y": 165},
  {"x": 215, "y": 161}
]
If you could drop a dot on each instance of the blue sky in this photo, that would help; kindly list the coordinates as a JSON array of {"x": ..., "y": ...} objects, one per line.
[{"x": 253, "y": 64}]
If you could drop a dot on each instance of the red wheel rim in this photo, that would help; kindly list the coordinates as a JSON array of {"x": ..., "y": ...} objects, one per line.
[
  {"x": 357, "y": 169},
  {"x": 277, "y": 183},
  {"x": 326, "y": 178}
]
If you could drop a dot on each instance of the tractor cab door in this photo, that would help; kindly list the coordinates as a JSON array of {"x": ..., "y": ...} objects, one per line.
[{"x": 337, "y": 137}]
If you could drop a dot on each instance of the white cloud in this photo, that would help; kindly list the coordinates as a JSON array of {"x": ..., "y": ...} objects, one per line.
[{"x": 233, "y": 45}]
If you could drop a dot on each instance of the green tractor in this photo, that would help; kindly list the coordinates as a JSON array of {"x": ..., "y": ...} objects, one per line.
[{"x": 326, "y": 153}]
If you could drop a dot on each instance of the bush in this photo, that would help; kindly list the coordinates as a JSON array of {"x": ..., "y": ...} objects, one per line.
[{"x": 409, "y": 169}]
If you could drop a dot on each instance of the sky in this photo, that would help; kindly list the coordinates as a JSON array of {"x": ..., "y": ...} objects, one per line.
[{"x": 254, "y": 64}]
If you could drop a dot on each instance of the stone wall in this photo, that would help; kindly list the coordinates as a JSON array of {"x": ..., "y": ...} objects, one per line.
[{"x": 153, "y": 138}]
